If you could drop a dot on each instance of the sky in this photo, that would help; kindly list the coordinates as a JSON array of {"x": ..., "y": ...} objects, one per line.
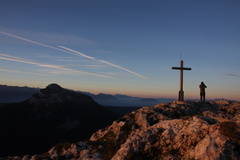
[{"x": 122, "y": 46}]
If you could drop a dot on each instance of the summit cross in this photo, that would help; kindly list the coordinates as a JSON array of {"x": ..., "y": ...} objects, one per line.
[{"x": 181, "y": 68}]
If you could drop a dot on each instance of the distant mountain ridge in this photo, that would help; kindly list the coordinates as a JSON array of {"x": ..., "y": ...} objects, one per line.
[
  {"x": 122, "y": 100},
  {"x": 12, "y": 94},
  {"x": 50, "y": 116}
]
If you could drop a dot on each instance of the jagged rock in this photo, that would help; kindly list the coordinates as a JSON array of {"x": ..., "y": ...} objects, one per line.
[
  {"x": 182, "y": 134},
  {"x": 212, "y": 147},
  {"x": 176, "y": 130},
  {"x": 35, "y": 157},
  {"x": 26, "y": 157},
  {"x": 141, "y": 120}
]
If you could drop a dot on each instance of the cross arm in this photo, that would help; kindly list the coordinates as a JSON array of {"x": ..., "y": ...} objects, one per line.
[
  {"x": 187, "y": 68},
  {"x": 176, "y": 68},
  {"x": 181, "y": 68}
]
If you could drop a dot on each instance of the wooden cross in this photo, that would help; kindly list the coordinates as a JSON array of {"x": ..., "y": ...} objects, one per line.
[{"x": 181, "y": 68}]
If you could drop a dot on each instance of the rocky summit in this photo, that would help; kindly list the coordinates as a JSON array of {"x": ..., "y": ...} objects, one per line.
[{"x": 167, "y": 131}]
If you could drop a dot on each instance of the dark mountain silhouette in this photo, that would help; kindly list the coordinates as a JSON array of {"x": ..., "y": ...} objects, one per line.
[
  {"x": 109, "y": 100},
  {"x": 12, "y": 94},
  {"x": 121, "y": 100},
  {"x": 51, "y": 116}
]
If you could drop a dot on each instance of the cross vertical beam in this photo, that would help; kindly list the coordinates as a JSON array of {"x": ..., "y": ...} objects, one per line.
[{"x": 181, "y": 68}]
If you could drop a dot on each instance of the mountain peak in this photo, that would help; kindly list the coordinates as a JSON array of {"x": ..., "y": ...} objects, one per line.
[
  {"x": 52, "y": 115},
  {"x": 50, "y": 90},
  {"x": 53, "y": 88},
  {"x": 54, "y": 93}
]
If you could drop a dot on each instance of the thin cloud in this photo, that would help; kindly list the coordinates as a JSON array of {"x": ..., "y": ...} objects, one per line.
[
  {"x": 118, "y": 75},
  {"x": 69, "y": 60},
  {"x": 103, "y": 52},
  {"x": 91, "y": 66},
  {"x": 14, "y": 57},
  {"x": 116, "y": 66},
  {"x": 60, "y": 72},
  {"x": 28, "y": 61},
  {"x": 87, "y": 63},
  {"x": 37, "y": 43},
  {"x": 73, "y": 52},
  {"x": 111, "y": 64},
  {"x": 18, "y": 59},
  {"x": 64, "y": 39},
  {"x": 47, "y": 56},
  {"x": 231, "y": 74},
  {"x": 79, "y": 53},
  {"x": 15, "y": 71},
  {"x": 52, "y": 38}
]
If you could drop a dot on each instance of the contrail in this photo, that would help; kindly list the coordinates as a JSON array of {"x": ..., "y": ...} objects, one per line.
[
  {"x": 81, "y": 54},
  {"x": 73, "y": 52},
  {"x": 14, "y": 71},
  {"x": 111, "y": 64},
  {"x": 116, "y": 66},
  {"x": 27, "y": 61},
  {"x": 37, "y": 43}
]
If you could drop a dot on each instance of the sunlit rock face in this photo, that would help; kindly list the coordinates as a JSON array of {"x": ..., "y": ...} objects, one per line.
[
  {"x": 181, "y": 131},
  {"x": 176, "y": 130}
]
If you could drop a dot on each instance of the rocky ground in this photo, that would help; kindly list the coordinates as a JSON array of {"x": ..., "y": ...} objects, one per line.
[{"x": 167, "y": 131}]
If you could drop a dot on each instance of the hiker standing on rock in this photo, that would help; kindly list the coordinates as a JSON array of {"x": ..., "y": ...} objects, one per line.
[{"x": 202, "y": 87}]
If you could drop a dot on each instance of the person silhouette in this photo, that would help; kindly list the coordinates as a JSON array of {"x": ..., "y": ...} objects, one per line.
[{"x": 202, "y": 87}]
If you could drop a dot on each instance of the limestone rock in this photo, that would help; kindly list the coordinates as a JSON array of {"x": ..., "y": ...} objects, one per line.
[{"x": 176, "y": 130}]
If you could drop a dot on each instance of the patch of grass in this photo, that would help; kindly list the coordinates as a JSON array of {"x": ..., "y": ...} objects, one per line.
[
  {"x": 131, "y": 116},
  {"x": 109, "y": 135},
  {"x": 110, "y": 149},
  {"x": 45, "y": 155},
  {"x": 151, "y": 154},
  {"x": 185, "y": 117},
  {"x": 126, "y": 127},
  {"x": 173, "y": 151},
  {"x": 230, "y": 130},
  {"x": 61, "y": 146},
  {"x": 137, "y": 156},
  {"x": 123, "y": 119},
  {"x": 95, "y": 144},
  {"x": 109, "y": 146}
]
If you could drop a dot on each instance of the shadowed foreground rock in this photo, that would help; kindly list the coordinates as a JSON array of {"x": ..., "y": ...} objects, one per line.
[
  {"x": 51, "y": 116},
  {"x": 176, "y": 130}
]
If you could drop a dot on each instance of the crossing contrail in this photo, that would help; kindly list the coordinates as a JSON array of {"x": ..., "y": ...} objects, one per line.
[
  {"x": 28, "y": 61},
  {"x": 34, "y": 42},
  {"x": 79, "y": 53},
  {"x": 73, "y": 52},
  {"x": 106, "y": 62},
  {"x": 116, "y": 66}
]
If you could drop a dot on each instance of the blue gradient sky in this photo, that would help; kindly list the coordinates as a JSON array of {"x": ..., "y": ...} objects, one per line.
[{"x": 122, "y": 46}]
